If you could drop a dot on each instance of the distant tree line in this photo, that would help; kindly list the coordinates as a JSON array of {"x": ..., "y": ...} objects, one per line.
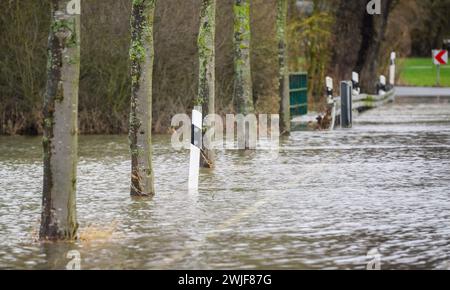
[{"x": 335, "y": 37}]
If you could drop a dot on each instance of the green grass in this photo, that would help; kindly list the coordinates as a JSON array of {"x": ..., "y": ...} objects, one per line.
[{"x": 422, "y": 72}]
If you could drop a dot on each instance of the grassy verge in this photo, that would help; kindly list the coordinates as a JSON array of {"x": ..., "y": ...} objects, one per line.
[{"x": 422, "y": 72}]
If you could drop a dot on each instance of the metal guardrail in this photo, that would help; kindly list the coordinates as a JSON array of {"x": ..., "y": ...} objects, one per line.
[
  {"x": 340, "y": 110},
  {"x": 363, "y": 102}
]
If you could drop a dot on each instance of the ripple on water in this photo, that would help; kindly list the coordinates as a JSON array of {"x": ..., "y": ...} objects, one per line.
[{"x": 322, "y": 202}]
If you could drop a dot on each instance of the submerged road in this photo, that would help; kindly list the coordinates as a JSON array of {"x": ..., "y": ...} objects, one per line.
[{"x": 324, "y": 200}]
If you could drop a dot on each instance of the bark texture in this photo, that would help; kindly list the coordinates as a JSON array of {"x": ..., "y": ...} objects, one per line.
[
  {"x": 283, "y": 74},
  {"x": 243, "y": 90},
  {"x": 373, "y": 35},
  {"x": 140, "y": 128},
  {"x": 59, "y": 218},
  {"x": 367, "y": 33},
  {"x": 206, "y": 78}
]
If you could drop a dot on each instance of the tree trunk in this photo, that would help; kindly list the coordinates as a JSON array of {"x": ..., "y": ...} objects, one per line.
[
  {"x": 243, "y": 91},
  {"x": 283, "y": 74},
  {"x": 59, "y": 218},
  {"x": 373, "y": 34},
  {"x": 141, "y": 57},
  {"x": 206, "y": 79},
  {"x": 358, "y": 38},
  {"x": 347, "y": 37}
]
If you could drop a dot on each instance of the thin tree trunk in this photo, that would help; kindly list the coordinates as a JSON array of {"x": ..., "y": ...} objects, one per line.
[
  {"x": 283, "y": 74},
  {"x": 206, "y": 54},
  {"x": 140, "y": 132},
  {"x": 59, "y": 218},
  {"x": 243, "y": 91}
]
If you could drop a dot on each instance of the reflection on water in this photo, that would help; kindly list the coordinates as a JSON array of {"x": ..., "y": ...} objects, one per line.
[{"x": 323, "y": 202}]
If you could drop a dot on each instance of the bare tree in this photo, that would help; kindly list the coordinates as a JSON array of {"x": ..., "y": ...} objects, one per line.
[
  {"x": 59, "y": 218},
  {"x": 140, "y": 132}
]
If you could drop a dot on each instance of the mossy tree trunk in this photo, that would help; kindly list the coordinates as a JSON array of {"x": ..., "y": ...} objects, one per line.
[
  {"x": 206, "y": 79},
  {"x": 59, "y": 218},
  {"x": 283, "y": 74},
  {"x": 243, "y": 91},
  {"x": 140, "y": 130}
]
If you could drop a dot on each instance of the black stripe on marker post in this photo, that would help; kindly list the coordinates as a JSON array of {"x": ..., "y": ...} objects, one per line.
[{"x": 196, "y": 136}]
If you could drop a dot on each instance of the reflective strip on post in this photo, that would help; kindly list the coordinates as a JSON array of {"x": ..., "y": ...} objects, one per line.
[{"x": 196, "y": 145}]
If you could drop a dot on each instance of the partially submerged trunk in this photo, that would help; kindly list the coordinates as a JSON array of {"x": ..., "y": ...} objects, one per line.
[
  {"x": 206, "y": 78},
  {"x": 283, "y": 74},
  {"x": 243, "y": 91},
  {"x": 59, "y": 218},
  {"x": 141, "y": 57}
]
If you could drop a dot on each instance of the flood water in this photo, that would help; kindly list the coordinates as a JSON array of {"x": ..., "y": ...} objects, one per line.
[{"x": 323, "y": 202}]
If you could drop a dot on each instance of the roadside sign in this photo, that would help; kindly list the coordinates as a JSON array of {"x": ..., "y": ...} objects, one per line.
[{"x": 440, "y": 56}]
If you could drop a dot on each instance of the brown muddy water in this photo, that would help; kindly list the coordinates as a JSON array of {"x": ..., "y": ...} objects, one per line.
[{"x": 323, "y": 202}]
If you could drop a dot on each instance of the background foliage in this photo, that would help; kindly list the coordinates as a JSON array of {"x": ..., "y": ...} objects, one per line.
[{"x": 317, "y": 44}]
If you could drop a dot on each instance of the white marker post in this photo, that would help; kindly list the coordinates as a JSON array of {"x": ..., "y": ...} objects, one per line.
[
  {"x": 355, "y": 82},
  {"x": 382, "y": 86},
  {"x": 196, "y": 145},
  {"x": 329, "y": 84},
  {"x": 331, "y": 102},
  {"x": 392, "y": 69}
]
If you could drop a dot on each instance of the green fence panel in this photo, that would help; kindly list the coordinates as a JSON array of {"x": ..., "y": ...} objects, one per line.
[{"x": 298, "y": 92}]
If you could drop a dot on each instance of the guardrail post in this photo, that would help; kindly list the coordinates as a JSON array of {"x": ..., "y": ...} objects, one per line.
[{"x": 346, "y": 104}]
